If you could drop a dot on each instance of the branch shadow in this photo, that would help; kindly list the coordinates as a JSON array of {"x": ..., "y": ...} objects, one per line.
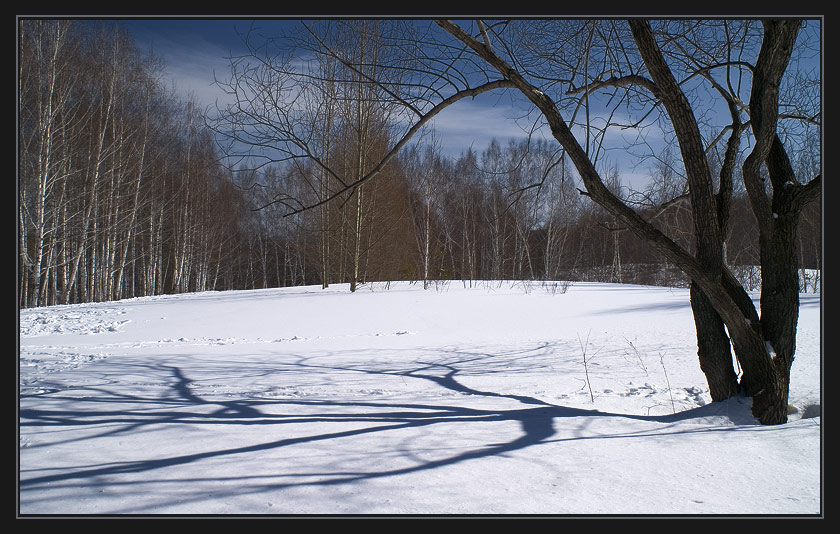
[{"x": 180, "y": 404}]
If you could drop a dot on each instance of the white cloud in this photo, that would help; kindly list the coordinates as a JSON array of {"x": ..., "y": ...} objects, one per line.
[
  {"x": 191, "y": 51},
  {"x": 474, "y": 123}
]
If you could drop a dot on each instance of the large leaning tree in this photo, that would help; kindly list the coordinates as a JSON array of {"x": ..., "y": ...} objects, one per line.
[{"x": 732, "y": 100}]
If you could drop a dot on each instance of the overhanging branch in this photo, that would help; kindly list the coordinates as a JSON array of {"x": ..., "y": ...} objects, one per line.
[{"x": 424, "y": 119}]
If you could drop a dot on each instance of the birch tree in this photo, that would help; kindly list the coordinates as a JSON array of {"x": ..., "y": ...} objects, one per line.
[
  {"x": 47, "y": 84},
  {"x": 117, "y": 180}
]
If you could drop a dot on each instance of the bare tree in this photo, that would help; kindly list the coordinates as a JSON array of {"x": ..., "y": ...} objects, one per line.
[
  {"x": 764, "y": 346},
  {"x": 48, "y": 122},
  {"x": 118, "y": 182},
  {"x": 582, "y": 80},
  {"x": 424, "y": 171}
]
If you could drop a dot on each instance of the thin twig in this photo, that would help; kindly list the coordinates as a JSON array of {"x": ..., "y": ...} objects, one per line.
[
  {"x": 585, "y": 367},
  {"x": 662, "y": 361}
]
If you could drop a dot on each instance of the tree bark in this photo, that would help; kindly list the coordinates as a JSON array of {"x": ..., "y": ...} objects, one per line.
[
  {"x": 713, "y": 348},
  {"x": 762, "y": 379}
]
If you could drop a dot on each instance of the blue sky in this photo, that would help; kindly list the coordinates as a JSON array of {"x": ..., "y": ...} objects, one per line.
[{"x": 194, "y": 49}]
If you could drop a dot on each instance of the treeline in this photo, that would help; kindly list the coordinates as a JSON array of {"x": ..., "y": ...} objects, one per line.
[
  {"x": 119, "y": 189},
  {"x": 121, "y": 193},
  {"x": 510, "y": 212}
]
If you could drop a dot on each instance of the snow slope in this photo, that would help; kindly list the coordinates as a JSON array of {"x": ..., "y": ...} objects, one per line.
[{"x": 396, "y": 400}]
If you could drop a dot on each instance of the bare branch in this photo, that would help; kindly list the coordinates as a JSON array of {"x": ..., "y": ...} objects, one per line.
[
  {"x": 593, "y": 182},
  {"x": 613, "y": 81},
  {"x": 428, "y": 116}
]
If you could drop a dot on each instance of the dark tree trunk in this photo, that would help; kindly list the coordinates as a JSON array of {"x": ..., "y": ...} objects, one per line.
[
  {"x": 764, "y": 347},
  {"x": 777, "y": 216},
  {"x": 713, "y": 347}
]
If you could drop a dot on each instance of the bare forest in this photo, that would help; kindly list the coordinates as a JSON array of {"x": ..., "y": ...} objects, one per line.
[{"x": 124, "y": 192}]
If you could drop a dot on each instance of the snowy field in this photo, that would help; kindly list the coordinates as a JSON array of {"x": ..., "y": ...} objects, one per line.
[{"x": 502, "y": 398}]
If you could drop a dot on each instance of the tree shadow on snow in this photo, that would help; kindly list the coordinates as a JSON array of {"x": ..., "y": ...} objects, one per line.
[{"x": 179, "y": 404}]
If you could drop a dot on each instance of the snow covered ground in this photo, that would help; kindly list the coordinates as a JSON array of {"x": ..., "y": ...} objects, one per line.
[{"x": 396, "y": 400}]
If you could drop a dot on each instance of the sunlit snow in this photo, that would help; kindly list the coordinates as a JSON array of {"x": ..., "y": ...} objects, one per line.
[{"x": 396, "y": 400}]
